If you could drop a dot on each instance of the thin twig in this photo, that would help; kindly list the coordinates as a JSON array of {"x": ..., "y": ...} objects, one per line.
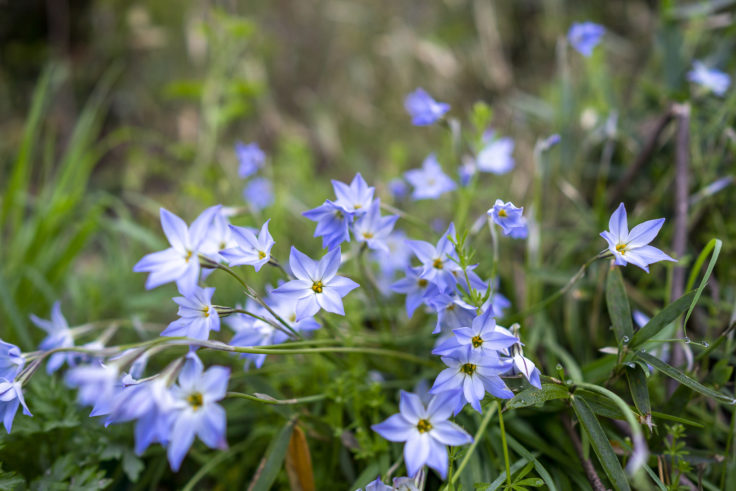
[
  {"x": 643, "y": 157},
  {"x": 679, "y": 243}
]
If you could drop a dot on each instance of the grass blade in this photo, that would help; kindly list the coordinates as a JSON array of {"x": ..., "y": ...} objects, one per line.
[
  {"x": 601, "y": 445},
  {"x": 618, "y": 306},
  {"x": 684, "y": 379},
  {"x": 663, "y": 319}
]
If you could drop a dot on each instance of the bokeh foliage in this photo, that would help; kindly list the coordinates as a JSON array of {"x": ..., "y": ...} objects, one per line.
[{"x": 111, "y": 110}]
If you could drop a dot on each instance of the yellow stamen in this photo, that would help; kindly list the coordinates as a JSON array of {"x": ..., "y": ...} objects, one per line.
[
  {"x": 195, "y": 400},
  {"x": 423, "y": 425},
  {"x": 477, "y": 341},
  {"x": 317, "y": 287},
  {"x": 468, "y": 368},
  {"x": 437, "y": 264},
  {"x": 261, "y": 254},
  {"x": 502, "y": 213},
  {"x": 620, "y": 248}
]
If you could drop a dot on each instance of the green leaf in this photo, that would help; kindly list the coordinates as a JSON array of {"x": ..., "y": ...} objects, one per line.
[
  {"x": 533, "y": 396},
  {"x": 618, "y": 306},
  {"x": 541, "y": 470},
  {"x": 501, "y": 479},
  {"x": 482, "y": 114},
  {"x": 681, "y": 377},
  {"x": 678, "y": 419},
  {"x": 714, "y": 245},
  {"x": 271, "y": 464},
  {"x": 662, "y": 319},
  {"x": 600, "y": 444},
  {"x": 637, "y": 380},
  {"x": 599, "y": 404}
]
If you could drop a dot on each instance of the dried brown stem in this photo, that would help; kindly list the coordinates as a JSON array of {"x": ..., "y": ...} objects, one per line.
[
  {"x": 644, "y": 156},
  {"x": 682, "y": 185}
]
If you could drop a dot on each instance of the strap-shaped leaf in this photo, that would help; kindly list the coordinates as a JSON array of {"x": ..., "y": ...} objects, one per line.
[
  {"x": 662, "y": 319},
  {"x": 601, "y": 445},
  {"x": 618, "y": 306},
  {"x": 637, "y": 380},
  {"x": 714, "y": 245},
  {"x": 681, "y": 377},
  {"x": 271, "y": 464}
]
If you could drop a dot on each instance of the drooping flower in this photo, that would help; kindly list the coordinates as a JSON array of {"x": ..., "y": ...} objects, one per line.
[
  {"x": 333, "y": 224},
  {"x": 426, "y": 430},
  {"x": 423, "y": 109},
  {"x": 258, "y": 193},
  {"x": 317, "y": 285},
  {"x": 11, "y": 360},
  {"x": 250, "y": 158},
  {"x": 249, "y": 249},
  {"x": 11, "y": 396},
  {"x": 373, "y": 229},
  {"x": 585, "y": 36},
  {"x": 429, "y": 182},
  {"x": 497, "y": 155},
  {"x": 509, "y": 218},
  {"x": 471, "y": 374},
  {"x": 714, "y": 80},
  {"x": 355, "y": 198},
  {"x": 632, "y": 247},
  {"x": 59, "y": 336},
  {"x": 180, "y": 262},
  {"x": 197, "y": 412},
  {"x": 526, "y": 367},
  {"x": 197, "y": 315}
]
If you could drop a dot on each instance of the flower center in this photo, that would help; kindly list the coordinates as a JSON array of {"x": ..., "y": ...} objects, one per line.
[
  {"x": 423, "y": 425},
  {"x": 502, "y": 213},
  {"x": 188, "y": 256},
  {"x": 468, "y": 368},
  {"x": 292, "y": 318},
  {"x": 206, "y": 310},
  {"x": 367, "y": 235},
  {"x": 621, "y": 248},
  {"x": 437, "y": 264},
  {"x": 451, "y": 307},
  {"x": 195, "y": 400},
  {"x": 422, "y": 283},
  {"x": 261, "y": 254},
  {"x": 477, "y": 341},
  {"x": 357, "y": 206},
  {"x": 317, "y": 287}
]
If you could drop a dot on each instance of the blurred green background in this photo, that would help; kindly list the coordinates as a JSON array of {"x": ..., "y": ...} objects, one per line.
[{"x": 111, "y": 109}]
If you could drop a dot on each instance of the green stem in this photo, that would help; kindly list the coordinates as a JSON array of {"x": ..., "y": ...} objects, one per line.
[
  {"x": 252, "y": 294},
  {"x": 219, "y": 346},
  {"x": 476, "y": 439},
  {"x": 505, "y": 446},
  {"x": 277, "y": 402}
]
